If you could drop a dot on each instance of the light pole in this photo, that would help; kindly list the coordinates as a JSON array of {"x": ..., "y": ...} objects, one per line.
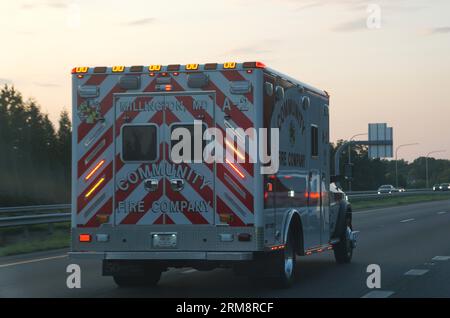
[
  {"x": 350, "y": 158},
  {"x": 426, "y": 162},
  {"x": 396, "y": 161}
]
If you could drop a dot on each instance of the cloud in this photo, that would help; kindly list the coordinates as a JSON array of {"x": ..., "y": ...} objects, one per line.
[
  {"x": 42, "y": 84},
  {"x": 398, "y": 6},
  {"x": 141, "y": 22},
  {"x": 440, "y": 30},
  {"x": 351, "y": 26},
  {"x": 55, "y": 4}
]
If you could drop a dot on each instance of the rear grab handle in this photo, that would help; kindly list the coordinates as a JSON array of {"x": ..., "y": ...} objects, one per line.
[
  {"x": 177, "y": 184},
  {"x": 151, "y": 185}
]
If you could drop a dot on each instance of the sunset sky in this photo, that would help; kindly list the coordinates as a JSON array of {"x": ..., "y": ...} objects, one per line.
[{"x": 398, "y": 73}]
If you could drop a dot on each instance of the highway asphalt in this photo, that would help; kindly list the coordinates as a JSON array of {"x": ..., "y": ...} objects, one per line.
[{"x": 411, "y": 244}]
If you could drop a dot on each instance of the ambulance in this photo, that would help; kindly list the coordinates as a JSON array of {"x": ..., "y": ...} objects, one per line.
[{"x": 141, "y": 211}]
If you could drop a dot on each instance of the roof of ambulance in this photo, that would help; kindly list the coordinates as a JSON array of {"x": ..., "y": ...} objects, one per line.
[
  {"x": 239, "y": 66},
  {"x": 293, "y": 80}
]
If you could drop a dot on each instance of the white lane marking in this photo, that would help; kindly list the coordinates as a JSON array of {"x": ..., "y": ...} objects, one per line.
[
  {"x": 407, "y": 220},
  {"x": 416, "y": 272},
  {"x": 441, "y": 258},
  {"x": 378, "y": 294},
  {"x": 442, "y": 212},
  {"x": 33, "y": 261},
  {"x": 189, "y": 271}
]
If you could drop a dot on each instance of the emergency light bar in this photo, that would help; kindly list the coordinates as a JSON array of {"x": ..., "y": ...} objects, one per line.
[
  {"x": 229, "y": 65},
  {"x": 82, "y": 69},
  {"x": 169, "y": 68},
  {"x": 117, "y": 69},
  {"x": 153, "y": 68}
]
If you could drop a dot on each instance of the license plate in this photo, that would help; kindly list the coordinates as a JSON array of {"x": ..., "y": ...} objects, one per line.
[{"x": 164, "y": 240}]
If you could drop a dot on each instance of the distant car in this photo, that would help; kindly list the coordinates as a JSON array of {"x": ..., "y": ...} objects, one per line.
[
  {"x": 444, "y": 187},
  {"x": 436, "y": 187},
  {"x": 387, "y": 189}
]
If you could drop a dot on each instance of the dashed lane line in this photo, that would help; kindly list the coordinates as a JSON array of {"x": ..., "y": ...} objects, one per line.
[
  {"x": 378, "y": 294},
  {"x": 416, "y": 272},
  {"x": 33, "y": 261},
  {"x": 189, "y": 271},
  {"x": 407, "y": 220},
  {"x": 442, "y": 212},
  {"x": 441, "y": 258}
]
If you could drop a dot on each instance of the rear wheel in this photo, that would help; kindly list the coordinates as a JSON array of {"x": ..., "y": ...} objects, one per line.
[
  {"x": 343, "y": 251},
  {"x": 285, "y": 264},
  {"x": 149, "y": 279}
]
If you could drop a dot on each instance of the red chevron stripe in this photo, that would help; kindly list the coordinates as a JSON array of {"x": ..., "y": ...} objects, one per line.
[
  {"x": 82, "y": 166},
  {"x": 237, "y": 76},
  {"x": 194, "y": 218},
  {"x": 82, "y": 201},
  {"x": 247, "y": 200},
  {"x": 106, "y": 209},
  {"x": 149, "y": 198},
  {"x": 236, "y": 115},
  {"x": 223, "y": 208}
]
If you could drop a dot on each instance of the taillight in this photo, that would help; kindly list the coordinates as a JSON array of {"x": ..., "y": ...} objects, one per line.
[{"x": 85, "y": 238}]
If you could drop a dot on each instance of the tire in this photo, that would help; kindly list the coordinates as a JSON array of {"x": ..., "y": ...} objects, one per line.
[
  {"x": 285, "y": 265},
  {"x": 149, "y": 279},
  {"x": 343, "y": 251}
]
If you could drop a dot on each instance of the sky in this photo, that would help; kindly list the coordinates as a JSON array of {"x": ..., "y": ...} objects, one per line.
[{"x": 381, "y": 61}]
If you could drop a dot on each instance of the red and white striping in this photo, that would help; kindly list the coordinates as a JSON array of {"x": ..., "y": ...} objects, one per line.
[{"x": 232, "y": 194}]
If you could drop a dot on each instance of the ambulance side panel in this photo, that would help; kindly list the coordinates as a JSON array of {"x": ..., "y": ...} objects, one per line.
[{"x": 301, "y": 184}]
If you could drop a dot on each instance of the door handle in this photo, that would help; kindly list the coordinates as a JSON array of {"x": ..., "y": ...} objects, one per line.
[
  {"x": 177, "y": 184},
  {"x": 151, "y": 185}
]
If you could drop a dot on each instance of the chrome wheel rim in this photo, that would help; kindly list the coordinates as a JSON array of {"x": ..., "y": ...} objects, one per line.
[
  {"x": 348, "y": 243},
  {"x": 288, "y": 263}
]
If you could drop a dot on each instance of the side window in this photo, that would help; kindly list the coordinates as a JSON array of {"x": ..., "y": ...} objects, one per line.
[
  {"x": 139, "y": 143},
  {"x": 314, "y": 141}
]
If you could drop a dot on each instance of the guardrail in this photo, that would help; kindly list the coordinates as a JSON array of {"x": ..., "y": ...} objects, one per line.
[
  {"x": 39, "y": 214},
  {"x": 35, "y": 214},
  {"x": 375, "y": 195}
]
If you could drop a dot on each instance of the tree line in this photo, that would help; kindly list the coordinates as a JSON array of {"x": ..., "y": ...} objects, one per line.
[
  {"x": 35, "y": 158},
  {"x": 369, "y": 174}
]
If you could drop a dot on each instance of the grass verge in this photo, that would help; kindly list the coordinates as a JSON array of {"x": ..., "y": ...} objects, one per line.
[
  {"x": 387, "y": 201},
  {"x": 16, "y": 240},
  {"x": 55, "y": 241}
]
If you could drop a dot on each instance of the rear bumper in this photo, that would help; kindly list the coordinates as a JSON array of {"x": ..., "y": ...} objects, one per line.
[{"x": 164, "y": 256}]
